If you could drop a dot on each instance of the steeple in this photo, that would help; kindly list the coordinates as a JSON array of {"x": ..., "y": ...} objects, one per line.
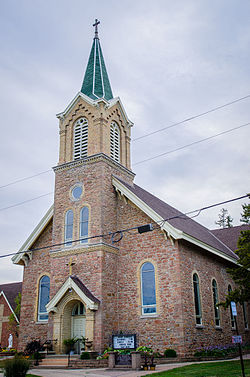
[{"x": 96, "y": 82}]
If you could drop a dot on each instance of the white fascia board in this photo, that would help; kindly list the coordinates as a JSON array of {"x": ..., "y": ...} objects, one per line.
[
  {"x": 209, "y": 248},
  {"x": 70, "y": 284},
  {"x": 72, "y": 103},
  {"x": 172, "y": 231},
  {"x": 34, "y": 235},
  {"x": 115, "y": 100},
  {"x": 12, "y": 311}
]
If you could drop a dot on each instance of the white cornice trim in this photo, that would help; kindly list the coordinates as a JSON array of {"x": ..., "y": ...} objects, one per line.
[
  {"x": 33, "y": 236},
  {"x": 116, "y": 100},
  {"x": 96, "y": 102},
  {"x": 74, "y": 100},
  {"x": 169, "y": 229},
  {"x": 70, "y": 284},
  {"x": 12, "y": 311}
]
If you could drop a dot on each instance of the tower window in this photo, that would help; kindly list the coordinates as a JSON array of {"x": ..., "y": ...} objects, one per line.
[
  {"x": 197, "y": 300},
  {"x": 84, "y": 224},
  {"x": 115, "y": 142},
  {"x": 44, "y": 288},
  {"x": 80, "y": 138},
  {"x": 148, "y": 294},
  {"x": 215, "y": 302},
  {"x": 69, "y": 220}
]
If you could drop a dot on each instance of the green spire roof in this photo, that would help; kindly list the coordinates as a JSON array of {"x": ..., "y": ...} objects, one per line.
[{"x": 96, "y": 82}]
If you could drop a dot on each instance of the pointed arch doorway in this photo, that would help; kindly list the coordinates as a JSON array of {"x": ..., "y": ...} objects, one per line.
[{"x": 78, "y": 325}]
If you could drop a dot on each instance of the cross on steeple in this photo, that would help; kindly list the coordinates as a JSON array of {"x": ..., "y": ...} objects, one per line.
[{"x": 96, "y": 28}]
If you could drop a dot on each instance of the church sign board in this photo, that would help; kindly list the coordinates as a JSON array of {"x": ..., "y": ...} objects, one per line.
[{"x": 123, "y": 341}]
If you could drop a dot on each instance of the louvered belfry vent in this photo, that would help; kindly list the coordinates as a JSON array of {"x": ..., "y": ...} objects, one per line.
[
  {"x": 115, "y": 142},
  {"x": 80, "y": 138}
]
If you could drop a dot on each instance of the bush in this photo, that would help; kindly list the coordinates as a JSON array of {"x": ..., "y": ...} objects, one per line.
[
  {"x": 32, "y": 347},
  {"x": 85, "y": 355},
  {"x": 17, "y": 367},
  {"x": 170, "y": 353}
]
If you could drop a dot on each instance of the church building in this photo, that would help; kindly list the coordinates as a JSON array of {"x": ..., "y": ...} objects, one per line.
[{"x": 85, "y": 275}]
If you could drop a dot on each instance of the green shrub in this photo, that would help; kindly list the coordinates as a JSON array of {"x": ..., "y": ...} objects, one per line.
[
  {"x": 170, "y": 353},
  {"x": 85, "y": 355},
  {"x": 16, "y": 367}
]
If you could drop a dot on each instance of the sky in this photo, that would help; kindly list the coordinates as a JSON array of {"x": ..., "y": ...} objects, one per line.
[{"x": 166, "y": 60}]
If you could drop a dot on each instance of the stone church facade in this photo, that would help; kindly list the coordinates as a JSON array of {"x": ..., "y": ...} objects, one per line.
[{"x": 84, "y": 276}]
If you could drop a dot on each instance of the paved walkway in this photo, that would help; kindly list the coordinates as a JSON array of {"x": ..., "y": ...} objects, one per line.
[{"x": 110, "y": 372}]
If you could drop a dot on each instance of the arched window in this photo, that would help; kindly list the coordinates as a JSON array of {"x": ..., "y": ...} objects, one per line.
[
  {"x": 44, "y": 288},
  {"x": 78, "y": 309},
  {"x": 80, "y": 138},
  {"x": 231, "y": 313},
  {"x": 148, "y": 294},
  {"x": 84, "y": 224},
  {"x": 115, "y": 142},
  {"x": 215, "y": 302},
  {"x": 69, "y": 220},
  {"x": 197, "y": 300}
]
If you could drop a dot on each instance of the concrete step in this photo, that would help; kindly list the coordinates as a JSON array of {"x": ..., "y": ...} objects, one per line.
[{"x": 53, "y": 362}]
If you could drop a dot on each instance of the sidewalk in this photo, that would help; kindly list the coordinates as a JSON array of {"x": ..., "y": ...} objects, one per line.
[{"x": 111, "y": 372}]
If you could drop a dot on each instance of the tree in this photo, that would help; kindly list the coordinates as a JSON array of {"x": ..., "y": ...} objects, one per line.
[
  {"x": 245, "y": 216},
  {"x": 13, "y": 325},
  {"x": 241, "y": 273},
  {"x": 225, "y": 221}
]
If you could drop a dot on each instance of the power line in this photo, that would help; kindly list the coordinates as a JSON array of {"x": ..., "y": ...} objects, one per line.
[
  {"x": 189, "y": 145},
  {"x": 191, "y": 118},
  {"x": 146, "y": 135},
  {"x": 25, "y": 201},
  {"x": 25, "y": 178},
  {"x": 120, "y": 232}
]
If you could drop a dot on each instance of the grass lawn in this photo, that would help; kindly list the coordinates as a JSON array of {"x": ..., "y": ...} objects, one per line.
[{"x": 219, "y": 369}]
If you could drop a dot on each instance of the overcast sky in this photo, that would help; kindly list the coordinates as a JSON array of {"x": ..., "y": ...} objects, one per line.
[{"x": 166, "y": 60}]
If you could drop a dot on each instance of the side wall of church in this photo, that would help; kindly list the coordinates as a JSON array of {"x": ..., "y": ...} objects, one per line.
[
  {"x": 165, "y": 329},
  {"x": 207, "y": 267},
  {"x": 39, "y": 265}
]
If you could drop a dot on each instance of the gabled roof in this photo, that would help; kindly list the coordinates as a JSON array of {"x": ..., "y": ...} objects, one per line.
[
  {"x": 178, "y": 225},
  {"x": 230, "y": 236},
  {"x": 10, "y": 292},
  {"x": 22, "y": 254},
  {"x": 108, "y": 104},
  {"x": 73, "y": 282},
  {"x": 96, "y": 82}
]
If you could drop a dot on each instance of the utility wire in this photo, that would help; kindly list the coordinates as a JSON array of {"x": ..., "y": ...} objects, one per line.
[
  {"x": 119, "y": 232},
  {"x": 25, "y": 178},
  {"x": 25, "y": 201},
  {"x": 191, "y": 144},
  {"x": 191, "y": 118},
  {"x": 146, "y": 160},
  {"x": 146, "y": 135}
]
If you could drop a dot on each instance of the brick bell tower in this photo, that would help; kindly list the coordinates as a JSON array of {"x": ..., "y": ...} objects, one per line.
[{"x": 94, "y": 146}]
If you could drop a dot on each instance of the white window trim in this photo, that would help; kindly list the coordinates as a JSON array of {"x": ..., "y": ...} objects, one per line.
[
  {"x": 68, "y": 241},
  {"x": 39, "y": 301},
  {"x": 147, "y": 306},
  {"x": 115, "y": 142},
  {"x": 80, "y": 148}
]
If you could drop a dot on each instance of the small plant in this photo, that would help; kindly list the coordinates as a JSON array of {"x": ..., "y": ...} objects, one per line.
[
  {"x": 32, "y": 347},
  {"x": 69, "y": 344},
  {"x": 85, "y": 355},
  {"x": 16, "y": 367},
  {"x": 105, "y": 354},
  {"x": 170, "y": 353}
]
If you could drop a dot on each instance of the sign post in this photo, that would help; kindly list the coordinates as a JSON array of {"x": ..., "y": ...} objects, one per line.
[{"x": 238, "y": 338}]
